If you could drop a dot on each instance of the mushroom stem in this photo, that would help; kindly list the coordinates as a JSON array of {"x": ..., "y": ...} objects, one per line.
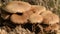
[{"x": 33, "y": 28}]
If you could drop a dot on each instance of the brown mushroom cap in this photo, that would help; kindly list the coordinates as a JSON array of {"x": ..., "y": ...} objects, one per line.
[
  {"x": 46, "y": 12},
  {"x": 50, "y": 18},
  {"x": 55, "y": 27},
  {"x": 38, "y": 9},
  {"x": 35, "y": 18},
  {"x": 48, "y": 28},
  {"x": 27, "y": 14},
  {"x": 17, "y": 19},
  {"x": 17, "y": 6}
]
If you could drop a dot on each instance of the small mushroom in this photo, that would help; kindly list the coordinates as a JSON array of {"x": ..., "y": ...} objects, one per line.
[
  {"x": 52, "y": 28},
  {"x": 17, "y": 7},
  {"x": 35, "y": 18},
  {"x": 47, "y": 29},
  {"x": 17, "y": 19},
  {"x": 50, "y": 18},
  {"x": 55, "y": 27},
  {"x": 38, "y": 9},
  {"x": 46, "y": 12}
]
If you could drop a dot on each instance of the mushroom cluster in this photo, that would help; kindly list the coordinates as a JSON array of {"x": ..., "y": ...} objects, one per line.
[{"x": 19, "y": 12}]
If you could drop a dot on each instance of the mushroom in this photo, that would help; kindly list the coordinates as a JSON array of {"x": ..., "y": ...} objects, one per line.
[
  {"x": 47, "y": 29},
  {"x": 17, "y": 19},
  {"x": 17, "y": 7},
  {"x": 50, "y": 18},
  {"x": 52, "y": 28},
  {"x": 46, "y": 12},
  {"x": 35, "y": 18},
  {"x": 38, "y": 9},
  {"x": 21, "y": 18},
  {"x": 55, "y": 27}
]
